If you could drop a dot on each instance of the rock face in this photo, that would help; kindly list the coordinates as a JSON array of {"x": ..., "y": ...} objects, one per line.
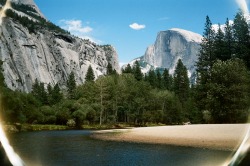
[
  {"x": 46, "y": 55},
  {"x": 169, "y": 47},
  {"x": 29, "y": 3}
]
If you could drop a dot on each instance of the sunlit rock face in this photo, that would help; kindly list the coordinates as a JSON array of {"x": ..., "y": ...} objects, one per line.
[
  {"x": 172, "y": 45},
  {"x": 47, "y": 55},
  {"x": 169, "y": 47},
  {"x": 30, "y": 3}
]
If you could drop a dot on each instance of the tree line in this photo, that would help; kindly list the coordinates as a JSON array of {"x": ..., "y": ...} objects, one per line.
[
  {"x": 219, "y": 95},
  {"x": 222, "y": 87},
  {"x": 126, "y": 98}
]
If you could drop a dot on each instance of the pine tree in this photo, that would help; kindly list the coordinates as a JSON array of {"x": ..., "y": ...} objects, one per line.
[
  {"x": 206, "y": 57},
  {"x": 242, "y": 38},
  {"x": 44, "y": 97},
  {"x": 128, "y": 69},
  {"x": 39, "y": 92},
  {"x": 90, "y": 75},
  {"x": 229, "y": 92},
  {"x": 159, "y": 84},
  {"x": 49, "y": 90},
  {"x": 204, "y": 64},
  {"x": 109, "y": 69},
  {"x": 71, "y": 85},
  {"x": 56, "y": 94},
  {"x": 151, "y": 78},
  {"x": 166, "y": 79},
  {"x": 181, "y": 82},
  {"x": 137, "y": 71},
  {"x": 36, "y": 90},
  {"x": 228, "y": 38},
  {"x": 219, "y": 45}
]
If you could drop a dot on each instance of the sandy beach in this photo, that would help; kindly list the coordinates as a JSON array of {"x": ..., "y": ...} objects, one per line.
[{"x": 214, "y": 136}]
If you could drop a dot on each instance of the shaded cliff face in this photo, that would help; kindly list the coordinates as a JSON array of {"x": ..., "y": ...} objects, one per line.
[
  {"x": 172, "y": 45},
  {"x": 39, "y": 52}
]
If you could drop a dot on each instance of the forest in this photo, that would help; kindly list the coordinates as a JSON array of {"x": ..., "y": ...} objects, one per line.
[{"x": 220, "y": 93}]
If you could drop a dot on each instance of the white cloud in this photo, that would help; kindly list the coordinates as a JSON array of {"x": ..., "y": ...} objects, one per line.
[
  {"x": 243, "y": 6},
  {"x": 77, "y": 28},
  {"x": 137, "y": 26}
]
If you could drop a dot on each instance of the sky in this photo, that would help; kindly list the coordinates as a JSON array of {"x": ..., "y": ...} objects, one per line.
[{"x": 132, "y": 25}]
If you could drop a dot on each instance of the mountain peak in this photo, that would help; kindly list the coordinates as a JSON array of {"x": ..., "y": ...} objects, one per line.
[
  {"x": 29, "y": 3},
  {"x": 190, "y": 36},
  {"x": 170, "y": 46},
  {"x": 33, "y": 48}
]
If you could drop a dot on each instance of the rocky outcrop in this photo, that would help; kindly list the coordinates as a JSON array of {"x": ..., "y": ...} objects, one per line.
[
  {"x": 169, "y": 47},
  {"x": 48, "y": 55}
]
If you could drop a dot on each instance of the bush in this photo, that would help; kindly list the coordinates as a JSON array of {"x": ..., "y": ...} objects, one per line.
[
  {"x": 79, "y": 117},
  {"x": 71, "y": 123},
  {"x": 62, "y": 116},
  {"x": 91, "y": 116}
]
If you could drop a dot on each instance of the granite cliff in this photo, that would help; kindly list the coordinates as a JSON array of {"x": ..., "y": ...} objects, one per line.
[
  {"x": 170, "y": 46},
  {"x": 33, "y": 48}
]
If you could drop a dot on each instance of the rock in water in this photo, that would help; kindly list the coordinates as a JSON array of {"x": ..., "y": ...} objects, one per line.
[{"x": 33, "y": 48}]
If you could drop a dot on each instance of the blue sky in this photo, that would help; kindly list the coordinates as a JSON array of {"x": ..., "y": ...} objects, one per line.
[{"x": 131, "y": 25}]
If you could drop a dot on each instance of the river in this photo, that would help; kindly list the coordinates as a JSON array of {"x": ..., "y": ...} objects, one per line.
[{"x": 76, "y": 148}]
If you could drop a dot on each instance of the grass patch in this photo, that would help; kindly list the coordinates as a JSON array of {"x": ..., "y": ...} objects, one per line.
[{"x": 37, "y": 127}]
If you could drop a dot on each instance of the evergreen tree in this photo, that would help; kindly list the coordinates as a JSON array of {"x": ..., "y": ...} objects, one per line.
[
  {"x": 151, "y": 78},
  {"x": 219, "y": 45},
  {"x": 110, "y": 70},
  {"x": 36, "y": 89},
  {"x": 204, "y": 64},
  {"x": 71, "y": 85},
  {"x": 49, "y": 90},
  {"x": 39, "y": 92},
  {"x": 229, "y": 92},
  {"x": 43, "y": 94},
  {"x": 56, "y": 94},
  {"x": 90, "y": 75},
  {"x": 167, "y": 79},
  {"x": 128, "y": 69},
  {"x": 137, "y": 71},
  {"x": 181, "y": 82},
  {"x": 206, "y": 57},
  {"x": 241, "y": 38},
  {"x": 159, "y": 84},
  {"x": 228, "y": 38}
]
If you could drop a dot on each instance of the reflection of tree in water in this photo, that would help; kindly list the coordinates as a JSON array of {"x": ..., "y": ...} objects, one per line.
[{"x": 4, "y": 161}]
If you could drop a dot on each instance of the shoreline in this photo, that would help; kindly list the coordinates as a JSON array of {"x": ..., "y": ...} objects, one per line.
[
  {"x": 211, "y": 136},
  {"x": 14, "y": 128}
]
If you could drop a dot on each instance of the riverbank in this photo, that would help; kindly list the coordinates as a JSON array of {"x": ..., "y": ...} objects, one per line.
[
  {"x": 12, "y": 128},
  {"x": 32, "y": 127},
  {"x": 213, "y": 136}
]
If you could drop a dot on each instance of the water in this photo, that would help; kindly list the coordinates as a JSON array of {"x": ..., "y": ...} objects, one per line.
[{"x": 76, "y": 148}]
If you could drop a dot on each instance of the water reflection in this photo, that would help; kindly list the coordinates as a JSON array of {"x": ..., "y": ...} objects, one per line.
[{"x": 76, "y": 148}]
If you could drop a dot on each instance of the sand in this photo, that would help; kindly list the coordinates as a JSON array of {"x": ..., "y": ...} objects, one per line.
[{"x": 213, "y": 136}]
